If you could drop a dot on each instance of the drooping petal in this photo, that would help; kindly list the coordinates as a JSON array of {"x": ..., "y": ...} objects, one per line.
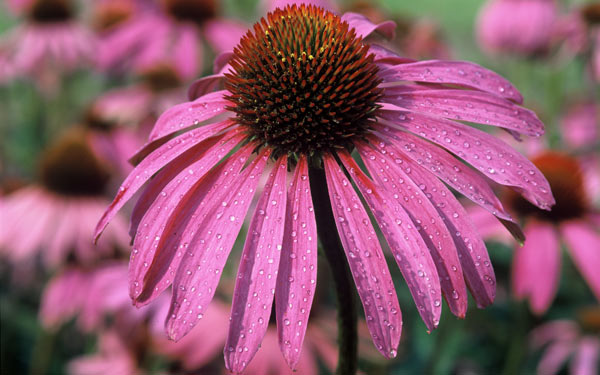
[
  {"x": 154, "y": 162},
  {"x": 488, "y": 154},
  {"x": 428, "y": 222},
  {"x": 473, "y": 254},
  {"x": 583, "y": 244},
  {"x": 536, "y": 266},
  {"x": 156, "y": 240},
  {"x": 367, "y": 262},
  {"x": 407, "y": 245},
  {"x": 460, "y": 73},
  {"x": 443, "y": 165},
  {"x": 364, "y": 27},
  {"x": 222, "y": 217},
  {"x": 166, "y": 175},
  {"x": 466, "y": 105},
  {"x": 188, "y": 114},
  {"x": 296, "y": 279},
  {"x": 257, "y": 274}
]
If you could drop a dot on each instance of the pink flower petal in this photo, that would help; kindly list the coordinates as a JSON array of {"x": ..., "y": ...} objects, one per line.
[
  {"x": 205, "y": 86},
  {"x": 162, "y": 178},
  {"x": 257, "y": 274},
  {"x": 187, "y": 51},
  {"x": 154, "y": 162},
  {"x": 472, "y": 252},
  {"x": 586, "y": 357},
  {"x": 364, "y": 27},
  {"x": 432, "y": 228},
  {"x": 164, "y": 214},
  {"x": 197, "y": 277},
  {"x": 367, "y": 262},
  {"x": 296, "y": 279},
  {"x": 488, "y": 154},
  {"x": 460, "y": 73},
  {"x": 583, "y": 244},
  {"x": 399, "y": 230},
  {"x": 443, "y": 165},
  {"x": 554, "y": 357},
  {"x": 466, "y": 105},
  {"x": 536, "y": 266},
  {"x": 185, "y": 115}
]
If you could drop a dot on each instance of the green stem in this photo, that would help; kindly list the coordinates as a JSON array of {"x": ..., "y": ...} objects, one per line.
[{"x": 343, "y": 283}]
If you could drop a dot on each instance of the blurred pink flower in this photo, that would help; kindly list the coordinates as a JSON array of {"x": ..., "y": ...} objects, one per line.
[
  {"x": 57, "y": 216},
  {"x": 208, "y": 338},
  {"x": 536, "y": 265},
  {"x": 581, "y": 124},
  {"x": 516, "y": 26},
  {"x": 168, "y": 35},
  {"x": 579, "y": 30},
  {"x": 50, "y": 40},
  {"x": 90, "y": 295},
  {"x": 564, "y": 339},
  {"x": 306, "y": 107},
  {"x": 113, "y": 357}
]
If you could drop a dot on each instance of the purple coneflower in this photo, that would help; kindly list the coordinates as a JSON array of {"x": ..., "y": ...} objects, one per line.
[
  {"x": 573, "y": 220},
  {"x": 170, "y": 34},
  {"x": 49, "y": 40},
  {"x": 565, "y": 340},
  {"x": 304, "y": 91},
  {"x": 56, "y": 216}
]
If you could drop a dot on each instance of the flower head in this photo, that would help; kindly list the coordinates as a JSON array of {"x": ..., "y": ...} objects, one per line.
[
  {"x": 50, "y": 40},
  {"x": 302, "y": 104},
  {"x": 564, "y": 339},
  {"x": 56, "y": 216}
]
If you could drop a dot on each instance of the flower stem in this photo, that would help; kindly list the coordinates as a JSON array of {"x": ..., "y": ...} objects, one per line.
[{"x": 344, "y": 286}]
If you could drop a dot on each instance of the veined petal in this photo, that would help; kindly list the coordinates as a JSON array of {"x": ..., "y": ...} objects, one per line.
[
  {"x": 156, "y": 240},
  {"x": 406, "y": 244},
  {"x": 386, "y": 57},
  {"x": 460, "y": 73},
  {"x": 453, "y": 172},
  {"x": 367, "y": 262},
  {"x": 364, "y": 27},
  {"x": 296, "y": 280},
  {"x": 466, "y": 105},
  {"x": 471, "y": 249},
  {"x": 154, "y": 162},
  {"x": 257, "y": 274},
  {"x": 166, "y": 175},
  {"x": 197, "y": 277},
  {"x": 488, "y": 154},
  {"x": 584, "y": 243},
  {"x": 188, "y": 114},
  {"x": 536, "y": 266},
  {"x": 397, "y": 181}
]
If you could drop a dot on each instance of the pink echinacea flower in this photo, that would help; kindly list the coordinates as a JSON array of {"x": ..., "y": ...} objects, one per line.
[
  {"x": 564, "y": 339},
  {"x": 302, "y": 91},
  {"x": 56, "y": 217},
  {"x": 572, "y": 221},
  {"x": 49, "y": 40}
]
